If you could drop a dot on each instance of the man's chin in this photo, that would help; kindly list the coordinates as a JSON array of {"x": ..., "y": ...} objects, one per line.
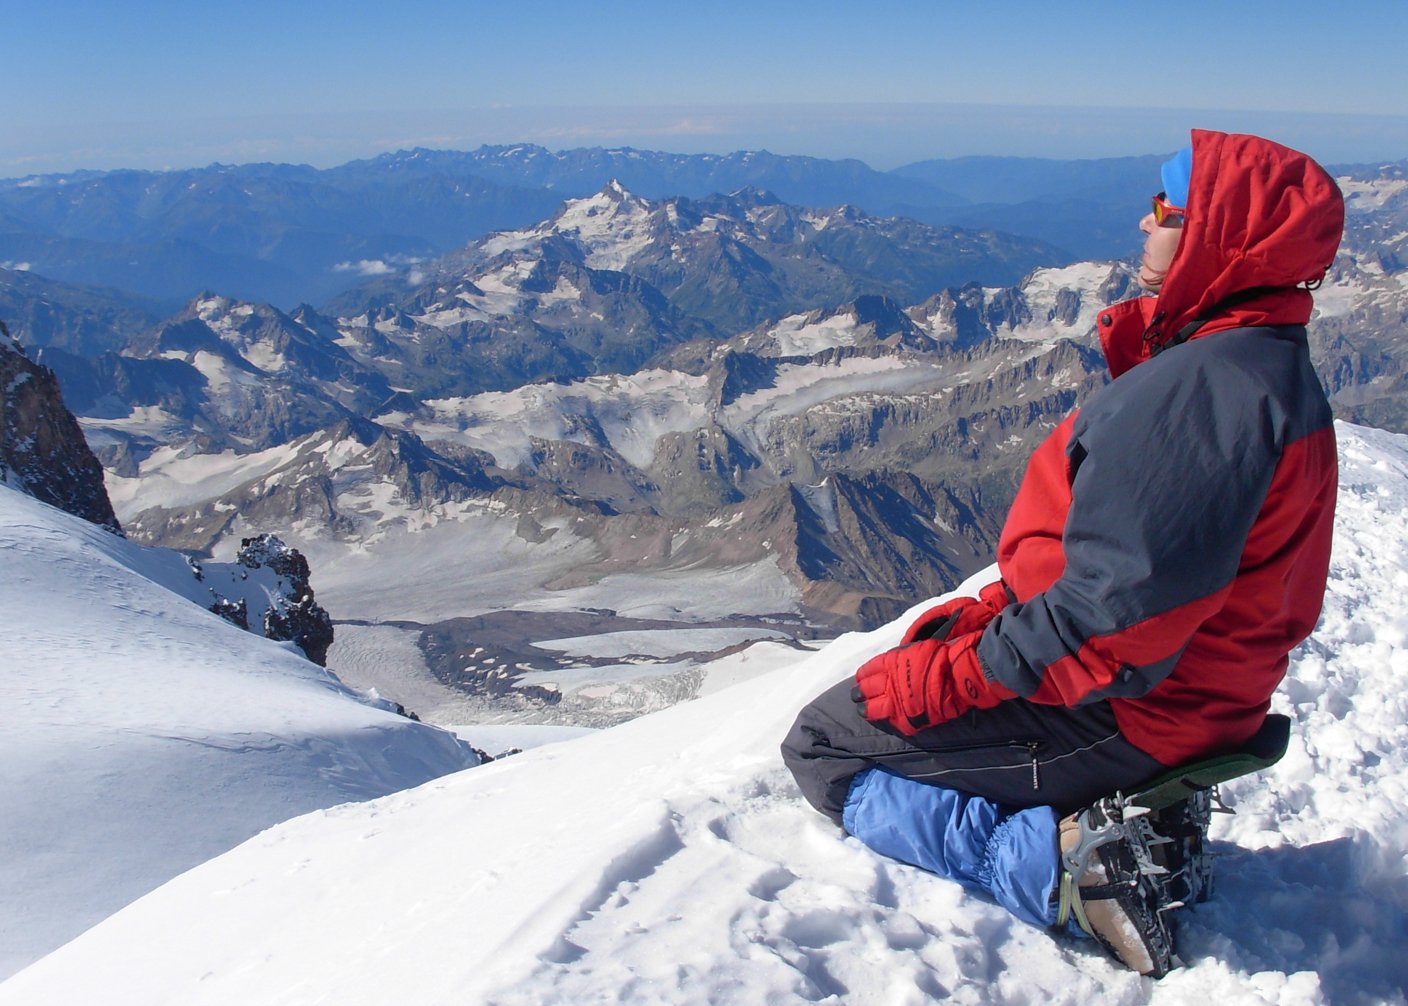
[{"x": 1150, "y": 283}]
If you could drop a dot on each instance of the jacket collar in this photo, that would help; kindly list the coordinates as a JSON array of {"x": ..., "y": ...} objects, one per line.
[{"x": 1262, "y": 220}]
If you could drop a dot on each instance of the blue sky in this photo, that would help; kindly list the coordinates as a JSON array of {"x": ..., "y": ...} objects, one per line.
[{"x": 162, "y": 83}]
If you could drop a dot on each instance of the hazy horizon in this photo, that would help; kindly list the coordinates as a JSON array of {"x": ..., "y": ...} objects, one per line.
[
  {"x": 100, "y": 86},
  {"x": 882, "y": 136}
]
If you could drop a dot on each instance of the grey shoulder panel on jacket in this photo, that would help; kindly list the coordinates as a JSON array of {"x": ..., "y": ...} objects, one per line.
[
  {"x": 1231, "y": 374},
  {"x": 1170, "y": 465}
]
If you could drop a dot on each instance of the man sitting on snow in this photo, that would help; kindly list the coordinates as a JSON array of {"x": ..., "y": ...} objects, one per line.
[{"x": 1167, "y": 549}]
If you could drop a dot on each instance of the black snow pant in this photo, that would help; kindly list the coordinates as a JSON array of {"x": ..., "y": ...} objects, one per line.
[{"x": 1018, "y": 753}]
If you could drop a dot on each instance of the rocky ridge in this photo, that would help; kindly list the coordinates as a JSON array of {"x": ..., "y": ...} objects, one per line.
[
  {"x": 863, "y": 451},
  {"x": 43, "y": 453},
  {"x": 845, "y": 455},
  {"x": 614, "y": 279},
  {"x": 42, "y": 449}
]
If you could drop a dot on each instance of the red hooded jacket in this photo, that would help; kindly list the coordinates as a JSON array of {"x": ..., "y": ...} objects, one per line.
[{"x": 1170, "y": 542}]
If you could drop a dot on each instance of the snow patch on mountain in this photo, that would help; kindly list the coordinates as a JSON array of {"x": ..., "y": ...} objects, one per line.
[
  {"x": 1065, "y": 302},
  {"x": 495, "y": 294},
  {"x": 1365, "y": 195},
  {"x": 813, "y": 387},
  {"x": 227, "y": 319},
  {"x": 612, "y": 227},
  {"x": 632, "y": 411},
  {"x": 805, "y": 335},
  {"x": 1340, "y": 296},
  {"x": 172, "y": 476}
]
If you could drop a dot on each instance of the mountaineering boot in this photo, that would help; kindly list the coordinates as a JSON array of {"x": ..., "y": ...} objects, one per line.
[
  {"x": 1109, "y": 886},
  {"x": 1178, "y": 840}
]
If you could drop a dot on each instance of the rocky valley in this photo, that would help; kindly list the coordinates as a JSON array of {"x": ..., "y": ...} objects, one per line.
[{"x": 694, "y": 422}]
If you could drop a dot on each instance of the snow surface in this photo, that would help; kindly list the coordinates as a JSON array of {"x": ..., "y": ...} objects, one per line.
[
  {"x": 655, "y": 642},
  {"x": 612, "y": 226},
  {"x": 689, "y": 594},
  {"x": 1367, "y": 195},
  {"x": 671, "y": 860},
  {"x": 633, "y": 411},
  {"x": 497, "y": 739},
  {"x": 467, "y": 559},
  {"x": 148, "y": 421},
  {"x": 172, "y": 477},
  {"x": 386, "y": 659},
  {"x": 805, "y": 335},
  {"x": 144, "y": 735}
]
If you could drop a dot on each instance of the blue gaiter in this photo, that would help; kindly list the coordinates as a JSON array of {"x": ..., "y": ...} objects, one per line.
[{"x": 1011, "y": 856}]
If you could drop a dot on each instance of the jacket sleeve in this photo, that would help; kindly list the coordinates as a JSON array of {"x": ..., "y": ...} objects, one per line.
[{"x": 1168, "y": 467}]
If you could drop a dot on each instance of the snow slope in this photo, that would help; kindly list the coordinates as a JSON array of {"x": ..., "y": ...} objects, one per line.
[
  {"x": 671, "y": 860},
  {"x": 143, "y": 735}
]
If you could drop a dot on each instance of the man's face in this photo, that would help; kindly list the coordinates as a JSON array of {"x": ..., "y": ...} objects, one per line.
[{"x": 1160, "y": 242}]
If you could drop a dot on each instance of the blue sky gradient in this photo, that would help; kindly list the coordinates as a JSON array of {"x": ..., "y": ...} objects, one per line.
[{"x": 167, "y": 84}]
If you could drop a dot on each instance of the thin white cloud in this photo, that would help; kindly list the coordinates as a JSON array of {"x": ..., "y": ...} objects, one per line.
[{"x": 366, "y": 267}]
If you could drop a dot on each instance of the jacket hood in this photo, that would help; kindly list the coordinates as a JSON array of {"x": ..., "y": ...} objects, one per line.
[{"x": 1262, "y": 221}]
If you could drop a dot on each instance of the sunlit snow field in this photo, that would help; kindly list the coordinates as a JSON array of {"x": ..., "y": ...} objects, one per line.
[{"x": 671, "y": 860}]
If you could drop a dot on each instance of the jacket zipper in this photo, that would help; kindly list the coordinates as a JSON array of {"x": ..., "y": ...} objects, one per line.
[{"x": 1031, "y": 747}]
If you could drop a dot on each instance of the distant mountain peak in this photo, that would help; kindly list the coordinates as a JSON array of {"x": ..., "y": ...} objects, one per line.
[{"x": 753, "y": 195}]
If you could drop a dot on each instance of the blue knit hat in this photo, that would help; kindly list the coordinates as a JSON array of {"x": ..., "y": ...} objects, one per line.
[{"x": 1176, "y": 174}]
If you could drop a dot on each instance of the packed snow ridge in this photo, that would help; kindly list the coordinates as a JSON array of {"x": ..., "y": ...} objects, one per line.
[
  {"x": 671, "y": 860},
  {"x": 144, "y": 734}
]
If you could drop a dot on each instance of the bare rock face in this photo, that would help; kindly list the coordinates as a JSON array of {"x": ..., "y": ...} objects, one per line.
[
  {"x": 42, "y": 450},
  {"x": 293, "y": 615}
]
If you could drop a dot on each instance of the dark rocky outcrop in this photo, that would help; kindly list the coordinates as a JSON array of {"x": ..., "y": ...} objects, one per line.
[
  {"x": 42, "y": 450},
  {"x": 294, "y": 615}
]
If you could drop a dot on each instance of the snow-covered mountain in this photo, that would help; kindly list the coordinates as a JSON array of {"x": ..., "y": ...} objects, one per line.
[
  {"x": 835, "y": 486},
  {"x": 222, "y": 374},
  {"x": 144, "y": 734},
  {"x": 827, "y": 464},
  {"x": 1360, "y": 330},
  {"x": 819, "y": 468},
  {"x": 671, "y": 860},
  {"x": 286, "y": 233},
  {"x": 613, "y": 279}
]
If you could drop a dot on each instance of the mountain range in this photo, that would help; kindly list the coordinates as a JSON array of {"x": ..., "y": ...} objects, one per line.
[
  {"x": 645, "y": 408},
  {"x": 649, "y": 420},
  {"x": 285, "y": 234},
  {"x": 627, "y": 454}
]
